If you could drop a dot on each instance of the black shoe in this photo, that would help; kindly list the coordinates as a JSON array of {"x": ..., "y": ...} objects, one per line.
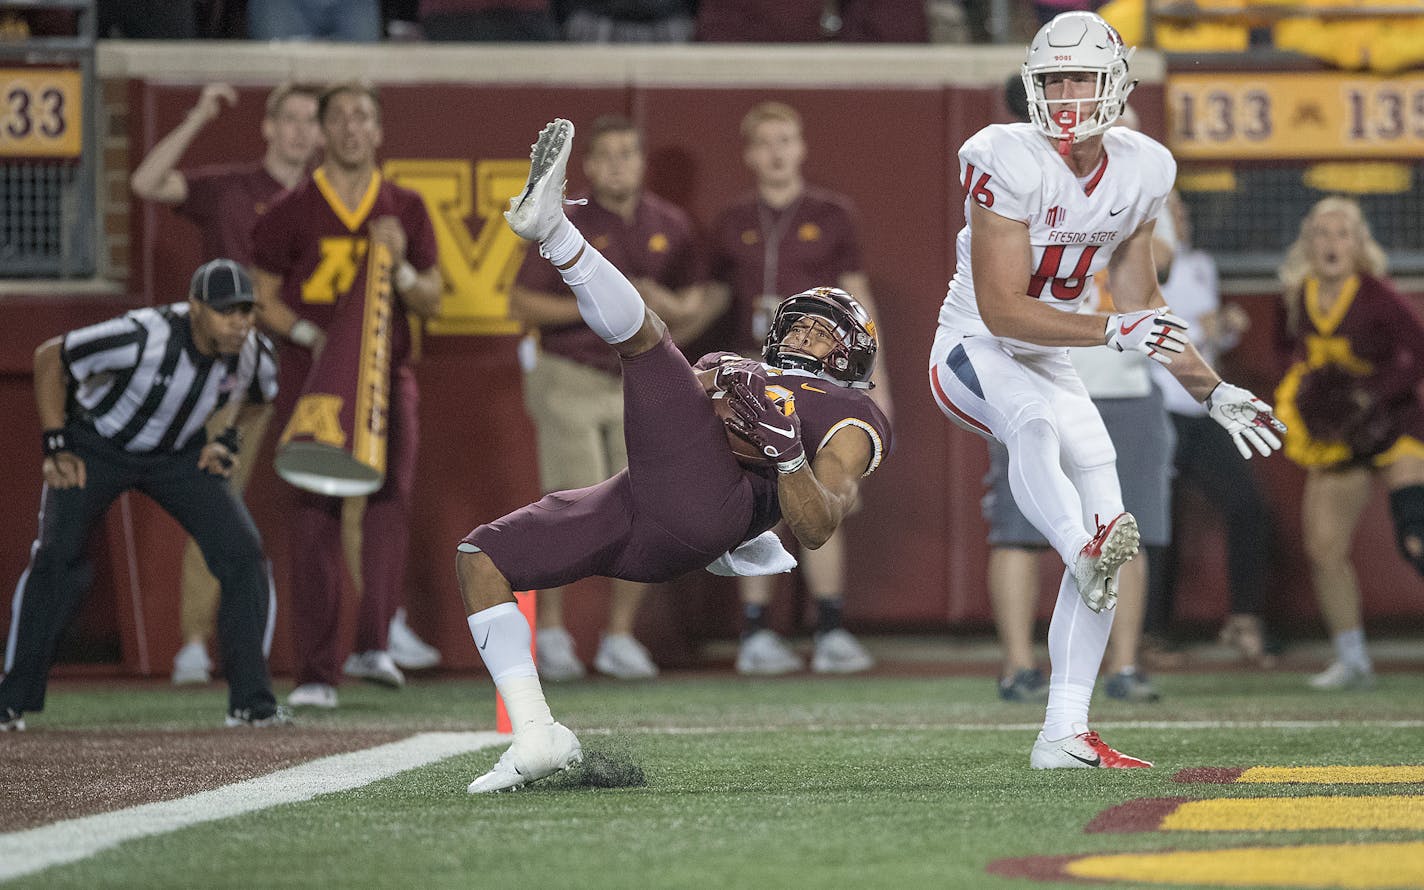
[
  {"x": 11, "y": 720},
  {"x": 1131, "y": 685},
  {"x": 277, "y": 716},
  {"x": 1027, "y": 684}
]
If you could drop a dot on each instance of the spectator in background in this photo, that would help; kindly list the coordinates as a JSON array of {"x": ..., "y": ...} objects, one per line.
[
  {"x": 629, "y": 21},
  {"x": 350, "y": 21},
  {"x": 309, "y": 252},
  {"x": 1204, "y": 458},
  {"x": 810, "y": 21},
  {"x": 1350, "y": 398},
  {"x": 224, "y": 202},
  {"x": 785, "y": 237},
  {"x": 574, "y": 388},
  {"x": 488, "y": 21}
]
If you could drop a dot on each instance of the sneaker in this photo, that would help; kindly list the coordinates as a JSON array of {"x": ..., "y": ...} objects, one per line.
[
  {"x": 375, "y": 666},
  {"x": 312, "y": 695},
  {"x": 192, "y": 665},
  {"x": 766, "y": 653},
  {"x": 278, "y": 716},
  {"x": 838, "y": 652},
  {"x": 540, "y": 207},
  {"x": 621, "y": 656},
  {"x": 1095, "y": 570},
  {"x": 1082, "y": 751},
  {"x": 1026, "y": 684},
  {"x": 555, "y": 656},
  {"x": 409, "y": 651},
  {"x": 11, "y": 720},
  {"x": 1130, "y": 684},
  {"x": 1342, "y": 675},
  {"x": 538, "y": 751}
]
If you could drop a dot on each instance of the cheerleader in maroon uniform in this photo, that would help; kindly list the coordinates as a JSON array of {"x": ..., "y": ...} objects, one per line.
[{"x": 1351, "y": 406}]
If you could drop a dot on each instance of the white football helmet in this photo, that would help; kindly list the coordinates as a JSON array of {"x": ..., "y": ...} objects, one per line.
[{"x": 1078, "y": 41}]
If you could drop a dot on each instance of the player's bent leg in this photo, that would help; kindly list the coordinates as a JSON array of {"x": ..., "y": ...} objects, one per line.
[{"x": 541, "y": 747}]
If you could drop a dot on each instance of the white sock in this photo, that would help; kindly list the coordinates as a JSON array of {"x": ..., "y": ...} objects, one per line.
[
  {"x": 1042, "y": 491},
  {"x": 562, "y": 244},
  {"x": 1077, "y": 639},
  {"x": 1350, "y": 648},
  {"x": 608, "y": 301},
  {"x": 502, "y": 636}
]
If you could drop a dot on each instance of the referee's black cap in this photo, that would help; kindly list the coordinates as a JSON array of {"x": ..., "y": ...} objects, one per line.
[{"x": 222, "y": 283}]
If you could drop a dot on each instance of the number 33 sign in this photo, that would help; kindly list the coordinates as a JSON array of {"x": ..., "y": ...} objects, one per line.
[{"x": 41, "y": 113}]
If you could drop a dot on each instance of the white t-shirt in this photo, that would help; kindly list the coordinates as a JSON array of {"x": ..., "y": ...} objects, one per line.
[{"x": 1014, "y": 171}]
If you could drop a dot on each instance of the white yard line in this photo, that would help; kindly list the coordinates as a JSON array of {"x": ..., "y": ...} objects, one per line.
[
  {"x": 1184, "y": 725},
  {"x": 27, "y": 852}
]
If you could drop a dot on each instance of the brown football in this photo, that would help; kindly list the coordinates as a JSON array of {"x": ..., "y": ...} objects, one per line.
[{"x": 744, "y": 451}]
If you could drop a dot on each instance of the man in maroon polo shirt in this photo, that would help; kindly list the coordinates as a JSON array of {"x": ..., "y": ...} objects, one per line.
[
  {"x": 309, "y": 252},
  {"x": 224, "y": 201},
  {"x": 573, "y": 385},
  {"x": 783, "y": 237}
]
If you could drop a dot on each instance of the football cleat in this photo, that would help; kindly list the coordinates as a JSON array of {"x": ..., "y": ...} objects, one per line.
[
  {"x": 1026, "y": 684},
  {"x": 1130, "y": 684},
  {"x": 537, "y": 752},
  {"x": 1082, "y": 751},
  {"x": 11, "y": 720},
  {"x": 765, "y": 653},
  {"x": 1342, "y": 675},
  {"x": 624, "y": 658},
  {"x": 555, "y": 655},
  {"x": 313, "y": 695},
  {"x": 838, "y": 652},
  {"x": 1095, "y": 570},
  {"x": 374, "y": 666},
  {"x": 407, "y": 649},
  {"x": 278, "y": 716},
  {"x": 537, "y": 211}
]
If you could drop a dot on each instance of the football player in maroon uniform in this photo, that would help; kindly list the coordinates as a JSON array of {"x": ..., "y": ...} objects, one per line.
[{"x": 684, "y": 501}]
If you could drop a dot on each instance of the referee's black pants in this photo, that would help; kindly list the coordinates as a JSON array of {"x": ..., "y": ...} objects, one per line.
[{"x": 54, "y": 585}]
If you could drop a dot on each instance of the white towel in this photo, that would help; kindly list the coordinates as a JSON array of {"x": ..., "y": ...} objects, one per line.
[{"x": 762, "y": 555}]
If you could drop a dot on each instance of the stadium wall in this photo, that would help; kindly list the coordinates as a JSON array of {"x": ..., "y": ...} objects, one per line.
[{"x": 882, "y": 126}]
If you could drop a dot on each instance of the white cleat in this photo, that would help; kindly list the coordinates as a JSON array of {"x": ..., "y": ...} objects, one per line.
[
  {"x": 765, "y": 653},
  {"x": 537, "y": 211},
  {"x": 313, "y": 695},
  {"x": 624, "y": 658},
  {"x": 1095, "y": 570},
  {"x": 1081, "y": 751},
  {"x": 838, "y": 652},
  {"x": 537, "y": 752},
  {"x": 192, "y": 666},
  {"x": 1342, "y": 675},
  {"x": 374, "y": 666},
  {"x": 407, "y": 650},
  {"x": 555, "y": 656}
]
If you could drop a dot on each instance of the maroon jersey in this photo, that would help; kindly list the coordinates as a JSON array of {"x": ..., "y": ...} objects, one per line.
[
  {"x": 1370, "y": 343},
  {"x": 224, "y": 203},
  {"x": 658, "y": 244},
  {"x": 318, "y": 247},
  {"x": 814, "y": 242}
]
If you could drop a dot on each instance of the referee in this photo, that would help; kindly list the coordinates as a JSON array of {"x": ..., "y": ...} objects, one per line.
[{"x": 123, "y": 404}]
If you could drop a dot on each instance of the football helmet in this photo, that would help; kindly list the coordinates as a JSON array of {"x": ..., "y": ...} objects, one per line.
[
  {"x": 851, "y": 361},
  {"x": 1078, "y": 41}
]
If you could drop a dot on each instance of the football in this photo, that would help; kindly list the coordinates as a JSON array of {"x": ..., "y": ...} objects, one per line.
[{"x": 745, "y": 452}]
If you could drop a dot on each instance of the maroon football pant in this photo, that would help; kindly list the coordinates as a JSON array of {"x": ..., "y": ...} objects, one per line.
[
  {"x": 682, "y": 502},
  {"x": 318, "y": 557}
]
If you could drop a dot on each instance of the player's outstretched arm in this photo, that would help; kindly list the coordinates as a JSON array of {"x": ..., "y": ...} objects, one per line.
[{"x": 816, "y": 498}]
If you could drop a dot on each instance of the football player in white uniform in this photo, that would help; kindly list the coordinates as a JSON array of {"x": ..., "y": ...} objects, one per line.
[{"x": 1049, "y": 204}]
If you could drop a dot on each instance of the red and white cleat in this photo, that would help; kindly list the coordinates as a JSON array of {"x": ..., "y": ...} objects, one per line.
[
  {"x": 1082, "y": 751},
  {"x": 1095, "y": 570}
]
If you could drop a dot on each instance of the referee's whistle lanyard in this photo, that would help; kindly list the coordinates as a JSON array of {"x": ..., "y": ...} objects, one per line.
[{"x": 773, "y": 230}]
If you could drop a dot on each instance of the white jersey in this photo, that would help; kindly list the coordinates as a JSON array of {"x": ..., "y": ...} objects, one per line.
[{"x": 1073, "y": 226}]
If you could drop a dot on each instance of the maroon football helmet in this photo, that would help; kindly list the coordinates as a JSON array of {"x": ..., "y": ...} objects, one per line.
[{"x": 850, "y": 362}]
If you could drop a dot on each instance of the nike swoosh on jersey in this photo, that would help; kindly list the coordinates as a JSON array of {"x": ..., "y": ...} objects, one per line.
[
  {"x": 810, "y": 388},
  {"x": 1117, "y": 211},
  {"x": 1127, "y": 329},
  {"x": 789, "y": 431}
]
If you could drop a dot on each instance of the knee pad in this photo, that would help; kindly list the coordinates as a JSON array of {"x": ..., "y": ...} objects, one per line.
[
  {"x": 1031, "y": 420},
  {"x": 1406, "y": 505}
]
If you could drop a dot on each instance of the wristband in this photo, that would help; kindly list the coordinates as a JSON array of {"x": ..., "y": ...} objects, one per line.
[
  {"x": 406, "y": 276},
  {"x": 304, "y": 333},
  {"x": 54, "y": 441},
  {"x": 787, "y": 467},
  {"x": 230, "y": 439}
]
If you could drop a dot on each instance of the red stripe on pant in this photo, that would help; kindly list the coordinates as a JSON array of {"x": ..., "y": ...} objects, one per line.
[{"x": 947, "y": 405}]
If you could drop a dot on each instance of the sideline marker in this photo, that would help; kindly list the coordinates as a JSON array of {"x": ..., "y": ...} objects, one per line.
[{"x": 525, "y": 600}]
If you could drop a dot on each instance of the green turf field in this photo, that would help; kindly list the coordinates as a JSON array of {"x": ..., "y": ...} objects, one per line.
[{"x": 865, "y": 782}]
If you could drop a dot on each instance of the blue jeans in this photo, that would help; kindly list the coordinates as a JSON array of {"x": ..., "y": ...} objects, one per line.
[{"x": 356, "y": 21}]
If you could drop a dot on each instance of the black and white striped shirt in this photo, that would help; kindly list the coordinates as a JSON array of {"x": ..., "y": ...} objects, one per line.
[{"x": 145, "y": 387}]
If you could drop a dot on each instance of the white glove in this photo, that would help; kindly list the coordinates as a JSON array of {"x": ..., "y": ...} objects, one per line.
[
  {"x": 1156, "y": 332},
  {"x": 1248, "y": 419}
]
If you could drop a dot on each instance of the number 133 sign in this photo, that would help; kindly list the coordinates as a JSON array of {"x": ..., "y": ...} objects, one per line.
[
  {"x": 41, "y": 112},
  {"x": 1234, "y": 117}
]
